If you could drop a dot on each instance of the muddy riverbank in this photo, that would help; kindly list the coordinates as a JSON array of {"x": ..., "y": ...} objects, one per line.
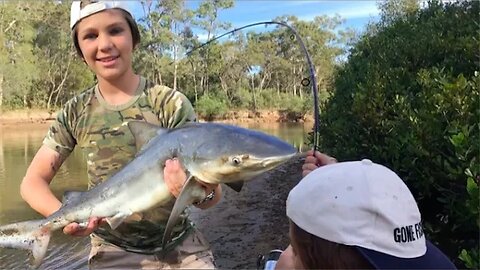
[{"x": 266, "y": 116}]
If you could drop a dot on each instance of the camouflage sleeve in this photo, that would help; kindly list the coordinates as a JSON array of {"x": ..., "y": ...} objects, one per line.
[
  {"x": 60, "y": 136},
  {"x": 174, "y": 109}
]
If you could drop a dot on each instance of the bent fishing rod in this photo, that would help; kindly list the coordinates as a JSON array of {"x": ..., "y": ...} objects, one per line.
[{"x": 304, "y": 82}]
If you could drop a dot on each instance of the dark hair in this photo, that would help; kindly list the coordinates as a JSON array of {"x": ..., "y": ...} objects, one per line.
[
  {"x": 318, "y": 253},
  {"x": 131, "y": 23}
]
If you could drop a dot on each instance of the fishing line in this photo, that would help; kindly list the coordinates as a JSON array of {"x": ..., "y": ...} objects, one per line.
[{"x": 305, "y": 82}]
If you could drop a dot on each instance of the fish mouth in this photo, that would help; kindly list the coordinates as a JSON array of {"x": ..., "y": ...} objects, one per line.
[
  {"x": 255, "y": 167},
  {"x": 275, "y": 161}
]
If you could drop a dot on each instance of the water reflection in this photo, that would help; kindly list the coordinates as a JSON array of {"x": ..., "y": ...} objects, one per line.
[
  {"x": 294, "y": 133},
  {"x": 18, "y": 145}
]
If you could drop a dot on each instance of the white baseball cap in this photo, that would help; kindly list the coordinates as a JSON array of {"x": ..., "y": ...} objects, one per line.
[
  {"x": 77, "y": 13},
  {"x": 368, "y": 206}
]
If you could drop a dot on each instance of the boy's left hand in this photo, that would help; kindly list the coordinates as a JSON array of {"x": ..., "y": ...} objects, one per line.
[{"x": 175, "y": 176}]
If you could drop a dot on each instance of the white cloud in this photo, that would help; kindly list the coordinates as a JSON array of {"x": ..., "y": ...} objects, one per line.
[
  {"x": 350, "y": 10},
  {"x": 364, "y": 12},
  {"x": 202, "y": 37}
]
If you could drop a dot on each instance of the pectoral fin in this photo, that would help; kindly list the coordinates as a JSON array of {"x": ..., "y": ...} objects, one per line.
[
  {"x": 237, "y": 186},
  {"x": 116, "y": 220},
  {"x": 191, "y": 192}
]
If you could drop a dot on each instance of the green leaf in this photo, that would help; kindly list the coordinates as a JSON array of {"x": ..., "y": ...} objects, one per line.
[{"x": 472, "y": 187}]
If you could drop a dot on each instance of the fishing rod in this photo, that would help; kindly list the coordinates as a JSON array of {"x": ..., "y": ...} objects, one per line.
[{"x": 305, "y": 81}]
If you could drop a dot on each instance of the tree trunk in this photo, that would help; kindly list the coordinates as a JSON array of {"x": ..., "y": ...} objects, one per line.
[
  {"x": 50, "y": 97},
  {"x": 160, "y": 81},
  {"x": 60, "y": 86},
  {"x": 175, "y": 65},
  {"x": 223, "y": 84},
  {"x": 205, "y": 77},
  {"x": 253, "y": 94},
  {"x": 205, "y": 70},
  {"x": 157, "y": 74},
  {"x": 294, "y": 81},
  {"x": 264, "y": 78},
  {"x": 194, "y": 81},
  {"x": 278, "y": 88},
  {"x": 300, "y": 91},
  {"x": 202, "y": 87}
]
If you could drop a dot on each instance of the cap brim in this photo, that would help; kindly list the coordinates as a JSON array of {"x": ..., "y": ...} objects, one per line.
[{"x": 433, "y": 259}]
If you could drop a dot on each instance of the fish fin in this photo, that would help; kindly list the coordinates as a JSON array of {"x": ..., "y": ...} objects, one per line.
[
  {"x": 135, "y": 217},
  {"x": 28, "y": 235},
  {"x": 237, "y": 186},
  {"x": 116, "y": 220},
  {"x": 40, "y": 246},
  {"x": 191, "y": 192},
  {"x": 70, "y": 196},
  {"x": 143, "y": 132}
]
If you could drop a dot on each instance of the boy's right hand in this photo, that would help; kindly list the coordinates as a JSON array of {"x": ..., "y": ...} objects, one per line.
[
  {"x": 76, "y": 229},
  {"x": 315, "y": 160}
]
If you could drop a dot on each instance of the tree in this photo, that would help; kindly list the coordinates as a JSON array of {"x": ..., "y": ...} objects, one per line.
[
  {"x": 207, "y": 14},
  {"x": 408, "y": 98},
  {"x": 151, "y": 54},
  {"x": 53, "y": 49},
  {"x": 393, "y": 10},
  {"x": 17, "y": 62}
]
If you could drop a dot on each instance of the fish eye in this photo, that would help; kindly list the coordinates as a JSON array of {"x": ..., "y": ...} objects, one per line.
[{"x": 236, "y": 160}]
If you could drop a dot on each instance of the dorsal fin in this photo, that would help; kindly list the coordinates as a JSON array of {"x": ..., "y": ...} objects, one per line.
[
  {"x": 143, "y": 132},
  {"x": 70, "y": 196}
]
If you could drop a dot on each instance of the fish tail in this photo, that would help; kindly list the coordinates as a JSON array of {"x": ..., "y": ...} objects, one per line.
[{"x": 29, "y": 235}]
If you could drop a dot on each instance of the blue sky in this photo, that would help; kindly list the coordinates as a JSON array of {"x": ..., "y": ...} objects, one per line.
[
  {"x": 356, "y": 13},
  {"x": 244, "y": 12}
]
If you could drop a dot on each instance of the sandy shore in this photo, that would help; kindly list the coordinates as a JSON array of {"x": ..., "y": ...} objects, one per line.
[
  {"x": 25, "y": 116},
  {"x": 43, "y": 116}
]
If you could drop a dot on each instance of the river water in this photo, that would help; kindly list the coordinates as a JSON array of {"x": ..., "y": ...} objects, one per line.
[{"x": 241, "y": 226}]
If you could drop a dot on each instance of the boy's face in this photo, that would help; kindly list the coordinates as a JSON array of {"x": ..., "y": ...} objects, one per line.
[{"x": 105, "y": 40}]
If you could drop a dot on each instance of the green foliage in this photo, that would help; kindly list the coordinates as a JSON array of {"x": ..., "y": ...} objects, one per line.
[
  {"x": 408, "y": 97},
  {"x": 37, "y": 62},
  {"x": 39, "y": 68},
  {"x": 17, "y": 63},
  {"x": 211, "y": 107},
  {"x": 470, "y": 258},
  {"x": 295, "y": 106},
  {"x": 241, "y": 98},
  {"x": 14, "y": 103}
]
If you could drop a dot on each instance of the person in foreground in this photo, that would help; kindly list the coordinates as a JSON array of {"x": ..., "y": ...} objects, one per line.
[
  {"x": 355, "y": 215},
  {"x": 105, "y": 34}
]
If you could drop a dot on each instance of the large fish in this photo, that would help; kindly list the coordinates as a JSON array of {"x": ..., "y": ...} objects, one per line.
[{"x": 212, "y": 153}]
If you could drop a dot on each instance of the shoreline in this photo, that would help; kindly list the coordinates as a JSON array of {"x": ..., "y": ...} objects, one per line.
[
  {"x": 32, "y": 116},
  {"x": 37, "y": 116}
]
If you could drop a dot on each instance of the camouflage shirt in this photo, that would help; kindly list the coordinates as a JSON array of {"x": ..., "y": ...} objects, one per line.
[{"x": 88, "y": 121}]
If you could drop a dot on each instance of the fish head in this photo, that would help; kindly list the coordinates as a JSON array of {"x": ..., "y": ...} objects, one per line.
[{"x": 232, "y": 154}]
